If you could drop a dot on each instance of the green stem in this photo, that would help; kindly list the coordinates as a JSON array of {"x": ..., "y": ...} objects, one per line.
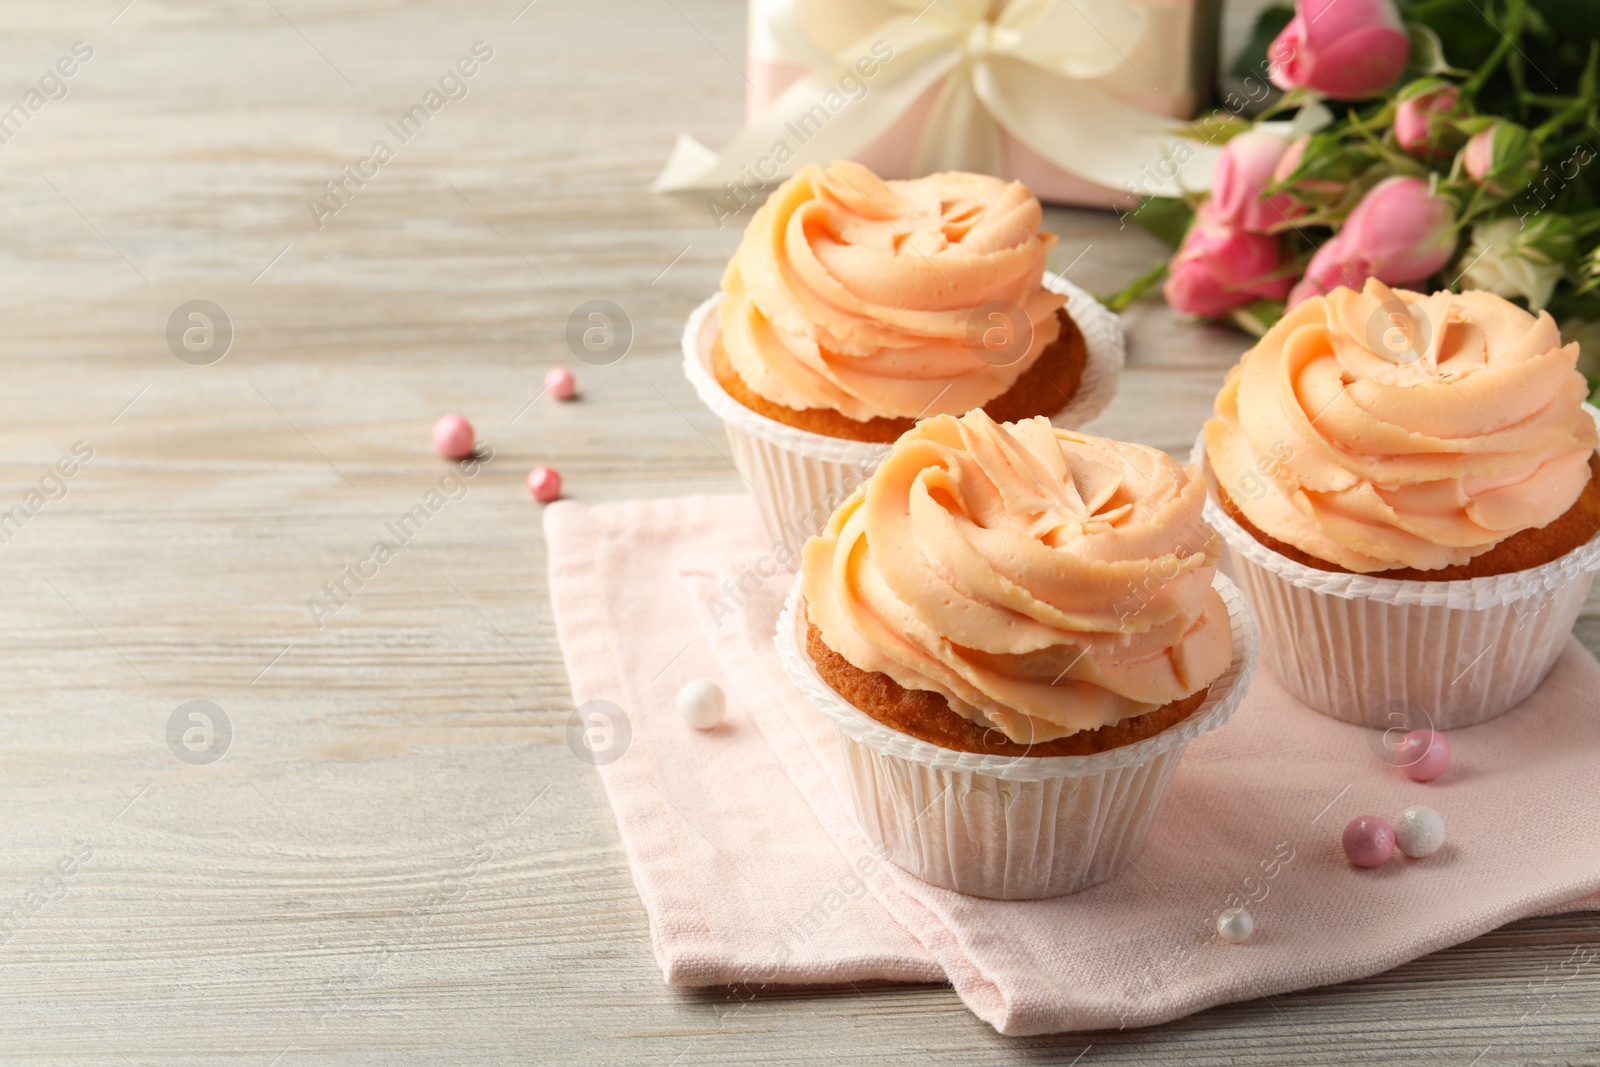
[
  {"x": 1369, "y": 137},
  {"x": 1507, "y": 41},
  {"x": 1379, "y": 118},
  {"x": 1574, "y": 110},
  {"x": 1473, "y": 208},
  {"x": 1548, "y": 102},
  {"x": 1136, "y": 288}
]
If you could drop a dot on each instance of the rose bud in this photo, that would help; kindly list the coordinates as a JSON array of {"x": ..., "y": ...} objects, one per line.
[
  {"x": 1421, "y": 119},
  {"x": 1346, "y": 49},
  {"x": 1503, "y": 158},
  {"x": 1399, "y": 233},
  {"x": 1243, "y": 173},
  {"x": 1220, "y": 268}
]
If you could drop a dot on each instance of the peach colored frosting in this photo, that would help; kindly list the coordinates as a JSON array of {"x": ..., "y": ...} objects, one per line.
[
  {"x": 857, "y": 294},
  {"x": 1386, "y": 429},
  {"x": 1042, "y": 581}
]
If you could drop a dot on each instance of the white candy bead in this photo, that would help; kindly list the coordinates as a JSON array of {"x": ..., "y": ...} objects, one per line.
[
  {"x": 701, "y": 703},
  {"x": 1419, "y": 831},
  {"x": 1235, "y": 925}
]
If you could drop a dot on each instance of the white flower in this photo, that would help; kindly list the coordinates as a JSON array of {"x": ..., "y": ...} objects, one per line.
[{"x": 1504, "y": 263}]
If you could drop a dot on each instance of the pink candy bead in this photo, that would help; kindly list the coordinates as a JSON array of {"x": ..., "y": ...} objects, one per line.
[
  {"x": 1423, "y": 755},
  {"x": 1368, "y": 841},
  {"x": 545, "y": 485},
  {"x": 560, "y": 383},
  {"x": 452, "y": 436}
]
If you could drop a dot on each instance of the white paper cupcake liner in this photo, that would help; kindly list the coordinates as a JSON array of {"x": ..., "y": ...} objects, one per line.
[
  {"x": 1388, "y": 653},
  {"x": 800, "y": 477},
  {"x": 1009, "y": 827}
]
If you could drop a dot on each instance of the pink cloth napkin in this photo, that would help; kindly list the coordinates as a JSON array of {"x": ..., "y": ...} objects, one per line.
[{"x": 746, "y": 853}]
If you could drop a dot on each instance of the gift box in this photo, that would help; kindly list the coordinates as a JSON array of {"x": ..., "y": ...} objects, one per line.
[{"x": 1075, "y": 98}]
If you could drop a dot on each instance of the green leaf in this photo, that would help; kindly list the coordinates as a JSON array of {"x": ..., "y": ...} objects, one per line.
[
  {"x": 1136, "y": 289},
  {"x": 1258, "y": 317},
  {"x": 1427, "y": 53},
  {"x": 1326, "y": 169},
  {"x": 1167, "y": 218},
  {"x": 1217, "y": 128},
  {"x": 1550, "y": 235},
  {"x": 1421, "y": 87}
]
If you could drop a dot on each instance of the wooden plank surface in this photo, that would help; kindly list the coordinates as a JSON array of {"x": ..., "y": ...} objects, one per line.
[{"x": 398, "y": 856}]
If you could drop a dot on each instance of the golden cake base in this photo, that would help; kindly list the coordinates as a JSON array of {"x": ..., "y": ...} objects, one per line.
[
  {"x": 1519, "y": 552},
  {"x": 1043, "y": 389},
  {"x": 927, "y": 716}
]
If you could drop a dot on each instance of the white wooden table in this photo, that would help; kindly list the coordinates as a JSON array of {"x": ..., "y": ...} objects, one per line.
[{"x": 395, "y": 857}]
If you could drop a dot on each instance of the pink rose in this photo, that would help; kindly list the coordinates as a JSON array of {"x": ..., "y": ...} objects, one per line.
[
  {"x": 1346, "y": 49},
  {"x": 1242, "y": 175},
  {"x": 1331, "y": 267},
  {"x": 1419, "y": 125},
  {"x": 1398, "y": 234},
  {"x": 1220, "y": 268}
]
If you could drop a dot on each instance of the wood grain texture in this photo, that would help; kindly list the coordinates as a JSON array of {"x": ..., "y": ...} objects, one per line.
[{"x": 398, "y": 859}]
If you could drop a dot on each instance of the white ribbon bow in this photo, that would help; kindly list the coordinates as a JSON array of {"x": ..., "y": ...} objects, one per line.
[{"x": 1021, "y": 66}]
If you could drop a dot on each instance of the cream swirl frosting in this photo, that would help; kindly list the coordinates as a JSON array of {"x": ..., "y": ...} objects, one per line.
[
  {"x": 1042, "y": 581},
  {"x": 1385, "y": 429},
  {"x": 858, "y": 294}
]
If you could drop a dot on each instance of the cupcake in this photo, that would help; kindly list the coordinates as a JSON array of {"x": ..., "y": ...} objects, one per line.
[
  {"x": 1410, "y": 490},
  {"x": 1017, "y": 629},
  {"x": 855, "y": 306}
]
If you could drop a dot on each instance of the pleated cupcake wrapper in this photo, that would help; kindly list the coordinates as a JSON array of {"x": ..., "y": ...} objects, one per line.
[
  {"x": 1012, "y": 828},
  {"x": 1392, "y": 654},
  {"x": 800, "y": 477}
]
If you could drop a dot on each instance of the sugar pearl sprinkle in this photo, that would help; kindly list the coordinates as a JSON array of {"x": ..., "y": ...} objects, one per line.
[
  {"x": 544, "y": 483},
  {"x": 453, "y": 437},
  {"x": 1424, "y": 755},
  {"x": 1235, "y": 925},
  {"x": 702, "y": 704},
  {"x": 1368, "y": 841},
  {"x": 560, "y": 383},
  {"x": 1419, "y": 831}
]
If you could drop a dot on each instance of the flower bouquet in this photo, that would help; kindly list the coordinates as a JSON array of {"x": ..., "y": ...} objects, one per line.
[{"x": 1426, "y": 143}]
